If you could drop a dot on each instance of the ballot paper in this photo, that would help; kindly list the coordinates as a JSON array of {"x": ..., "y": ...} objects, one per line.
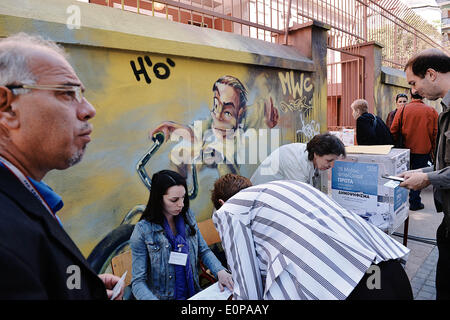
[
  {"x": 392, "y": 184},
  {"x": 118, "y": 287},
  {"x": 212, "y": 293}
]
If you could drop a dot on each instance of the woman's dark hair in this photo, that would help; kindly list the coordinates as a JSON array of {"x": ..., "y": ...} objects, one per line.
[
  {"x": 400, "y": 95},
  {"x": 323, "y": 144},
  {"x": 161, "y": 181}
]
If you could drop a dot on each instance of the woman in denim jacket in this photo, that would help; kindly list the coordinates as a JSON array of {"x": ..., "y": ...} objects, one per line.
[{"x": 166, "y": 245}]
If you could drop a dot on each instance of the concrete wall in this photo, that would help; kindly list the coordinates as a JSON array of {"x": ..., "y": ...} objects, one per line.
[{"x": 140, "y": 71}]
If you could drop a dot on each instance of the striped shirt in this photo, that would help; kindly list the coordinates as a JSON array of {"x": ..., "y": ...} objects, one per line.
[{"x": 287, "y": 240}]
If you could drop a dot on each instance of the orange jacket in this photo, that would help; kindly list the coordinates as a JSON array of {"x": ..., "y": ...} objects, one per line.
[{"x": 419, "y": 126}]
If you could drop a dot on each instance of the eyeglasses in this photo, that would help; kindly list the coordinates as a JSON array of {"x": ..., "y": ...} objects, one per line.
[{"x": 75, "y": 90}]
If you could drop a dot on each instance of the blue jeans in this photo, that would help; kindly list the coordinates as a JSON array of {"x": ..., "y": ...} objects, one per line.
[{"x": 417, "y": 161}]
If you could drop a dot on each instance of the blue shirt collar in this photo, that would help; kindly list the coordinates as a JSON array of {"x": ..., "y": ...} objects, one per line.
[{"x": 53, "y": 199}]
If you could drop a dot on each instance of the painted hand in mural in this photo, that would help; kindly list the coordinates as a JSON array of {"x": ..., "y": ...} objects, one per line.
[
  {"x": 168, "y": 127},
  {"x": 270, "y": 113}
]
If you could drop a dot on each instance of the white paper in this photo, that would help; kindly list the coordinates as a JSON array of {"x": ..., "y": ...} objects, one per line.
[
  {"x": 392, "y": 184},
  {"x": 118, "y": 287},
  {"x": 377, "y": 220},
  {"x": 212, "y": 293}
]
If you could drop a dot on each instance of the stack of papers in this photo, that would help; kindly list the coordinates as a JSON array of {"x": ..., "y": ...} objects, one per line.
[
  {"x": 212, "y": 293},
  {"x": 381, "y": 149}
]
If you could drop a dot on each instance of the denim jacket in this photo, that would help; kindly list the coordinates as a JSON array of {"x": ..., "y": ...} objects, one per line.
[{"x": 153, "y": 276}]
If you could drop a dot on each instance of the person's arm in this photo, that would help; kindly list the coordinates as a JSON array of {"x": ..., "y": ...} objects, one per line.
[
  {"x": 211, "y": 262},
  {"x": 421, "y": 178},
  {"x": 140, "y": 261},
  {"x": 395, "y": 127},
  {"x": 169, "y": 127},
  {"x": 433, "y": 132},
  {"x": 440, "y": 178},
  {"x": 18, "y": 281},
  {"x": 389, "y": 119},
  {"x": 237, "y": 241}
]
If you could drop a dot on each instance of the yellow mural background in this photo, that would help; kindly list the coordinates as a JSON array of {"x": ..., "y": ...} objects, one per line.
[
  {"x": 100, "y": 190},
  {"x": 105, "y": 185}
]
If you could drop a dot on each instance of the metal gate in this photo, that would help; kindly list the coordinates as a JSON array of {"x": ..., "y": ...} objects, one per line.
[{"x": 345, "y": 78}]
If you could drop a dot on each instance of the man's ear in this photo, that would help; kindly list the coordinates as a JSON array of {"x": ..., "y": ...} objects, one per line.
[
  {"x": 6, "y": 98},
  {"x": 432, "y": 74},
  {"x": 221, "y": 202},
  {"x": 7, "y": 115}
]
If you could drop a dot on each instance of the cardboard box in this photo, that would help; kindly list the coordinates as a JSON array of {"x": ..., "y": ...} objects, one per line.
[
  {"x": 346, "y": 135},
  {"x": 357, "y": 184}
]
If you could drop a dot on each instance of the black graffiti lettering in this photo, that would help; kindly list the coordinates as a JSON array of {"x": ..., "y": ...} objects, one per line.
[
  {"x": 142, "y": 70},
  {"x": 156, "y": 69},
  {"x": 170, "y": 62},
  {"x": 160, "y": 69},
  {"x": 147, "y": 59}
]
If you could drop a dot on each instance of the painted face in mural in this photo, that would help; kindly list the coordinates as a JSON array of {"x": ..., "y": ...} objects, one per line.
[
  {"x": 173, "y": 201},
  {"x": 324, "y": 162},
  {"x": 225, "y": 111},
  {"x": 54, "y": 128}
]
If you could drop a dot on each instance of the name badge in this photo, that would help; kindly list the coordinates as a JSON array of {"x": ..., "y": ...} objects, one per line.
[{"x": 178, "y": 258}]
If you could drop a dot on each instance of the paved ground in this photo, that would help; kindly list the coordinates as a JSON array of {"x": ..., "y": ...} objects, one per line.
[{"x": 421, "y": 265}]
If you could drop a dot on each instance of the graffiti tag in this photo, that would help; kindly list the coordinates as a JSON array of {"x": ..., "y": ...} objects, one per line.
[
  {"x": 289, "y": 84},
  {"x": 294, "y": 105},
  {"x": 309, "y": 130},
  {"x": 160, "y": 69}
]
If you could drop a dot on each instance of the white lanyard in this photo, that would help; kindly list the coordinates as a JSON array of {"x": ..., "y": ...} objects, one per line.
[{"x": 27, "y": 183}]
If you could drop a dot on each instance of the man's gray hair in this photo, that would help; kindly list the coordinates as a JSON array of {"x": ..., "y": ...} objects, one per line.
[
  {"x": 360, "y": 105},
  {"x": 14, "y": 54}
]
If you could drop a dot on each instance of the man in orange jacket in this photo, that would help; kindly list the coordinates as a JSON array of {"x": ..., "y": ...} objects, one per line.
[{"x": 419, "y": 129}]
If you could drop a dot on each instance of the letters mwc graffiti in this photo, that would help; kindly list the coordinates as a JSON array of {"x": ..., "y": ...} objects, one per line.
[
  {"x": 160, "y": 69},
  {"x": 295, "y": 88}
]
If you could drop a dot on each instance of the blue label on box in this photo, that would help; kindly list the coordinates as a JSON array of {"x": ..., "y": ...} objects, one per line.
[
  {"x": 355, "y": 177},
  {"x": 400, "y": 197}
]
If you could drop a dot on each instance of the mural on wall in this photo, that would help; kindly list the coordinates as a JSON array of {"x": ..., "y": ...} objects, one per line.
[{"x": 217, "y": 117}]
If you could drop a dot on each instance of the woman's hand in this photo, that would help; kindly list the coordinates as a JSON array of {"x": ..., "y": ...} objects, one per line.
[{"x": 225, "y": 279}]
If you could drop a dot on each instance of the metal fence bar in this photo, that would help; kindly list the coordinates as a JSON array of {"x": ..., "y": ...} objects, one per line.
[{"x": 353, "y": 22}]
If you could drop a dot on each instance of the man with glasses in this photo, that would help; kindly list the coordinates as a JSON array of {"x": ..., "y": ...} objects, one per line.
[{"x": 44, "y": 125}]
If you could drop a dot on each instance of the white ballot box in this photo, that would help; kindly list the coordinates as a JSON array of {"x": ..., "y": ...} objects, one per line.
[{"x": 357, "y": 184}]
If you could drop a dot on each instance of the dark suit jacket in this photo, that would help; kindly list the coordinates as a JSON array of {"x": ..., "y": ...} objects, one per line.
[{"x": 38, "y": 260}]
